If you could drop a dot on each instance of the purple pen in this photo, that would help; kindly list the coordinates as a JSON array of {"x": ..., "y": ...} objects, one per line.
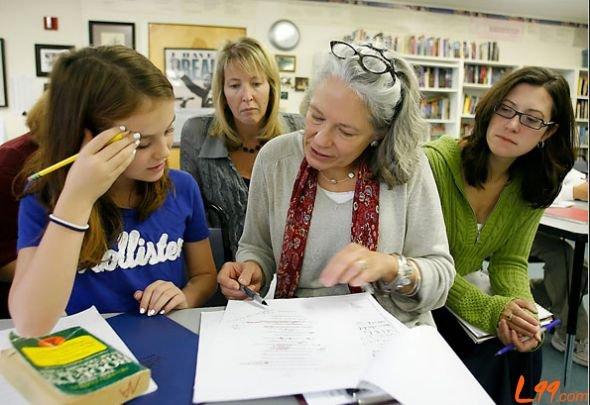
[{"x": 547, "y": 328}]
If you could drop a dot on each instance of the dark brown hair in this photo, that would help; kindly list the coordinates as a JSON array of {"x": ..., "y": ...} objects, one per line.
[
  {"x": 542, "y": 169},
  {"x": 91, "y": 89}
]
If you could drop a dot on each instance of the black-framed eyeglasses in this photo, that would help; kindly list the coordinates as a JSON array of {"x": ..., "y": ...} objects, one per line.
[
  {"x": 529, "y": 121},
  {"x": 378, "y": 64}
]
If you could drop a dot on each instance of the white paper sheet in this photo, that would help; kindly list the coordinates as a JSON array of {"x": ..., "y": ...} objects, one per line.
[
  {"x": 90, "y": 320},
  {"x": 293, "y": 346},
  {"x": 207, "y": 352},
  {"x": 562, "y": 204},
  {"x": 427, "y": 371}
]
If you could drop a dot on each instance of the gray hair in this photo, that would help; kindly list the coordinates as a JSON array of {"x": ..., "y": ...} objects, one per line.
[{"x": 394, "y": 113}]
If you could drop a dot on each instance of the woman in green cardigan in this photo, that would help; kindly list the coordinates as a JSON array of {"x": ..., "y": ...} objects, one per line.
[{"x": 493, "y": 186}]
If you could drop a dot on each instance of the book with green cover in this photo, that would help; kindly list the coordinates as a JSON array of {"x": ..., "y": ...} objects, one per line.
[{"x": 72, "y": 366}]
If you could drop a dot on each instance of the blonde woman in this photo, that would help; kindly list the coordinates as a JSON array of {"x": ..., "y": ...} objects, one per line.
[{"x": 219, "y": 149}]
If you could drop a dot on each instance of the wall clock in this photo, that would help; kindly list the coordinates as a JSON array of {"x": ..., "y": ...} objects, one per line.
[{"x": 284, "y": 35}]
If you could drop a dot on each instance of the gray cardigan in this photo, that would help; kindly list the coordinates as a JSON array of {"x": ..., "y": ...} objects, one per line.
[
  {"x": 410, "y": 222},
  {"x": 207, "y": 160}
]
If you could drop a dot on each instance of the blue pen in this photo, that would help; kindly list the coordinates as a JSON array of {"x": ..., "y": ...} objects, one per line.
[{"x": 547, "y": 328}]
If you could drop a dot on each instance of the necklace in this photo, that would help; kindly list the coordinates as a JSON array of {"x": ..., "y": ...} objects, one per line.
[
  {"x": 254, "y": 149},
  {"x": 349, "y": 176}
]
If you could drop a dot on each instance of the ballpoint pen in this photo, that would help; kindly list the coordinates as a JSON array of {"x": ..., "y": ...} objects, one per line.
[
  {"x": 252, "y": 295},
  {"x": 68, "y": 160},
  {"x": 508, "y": 348}
]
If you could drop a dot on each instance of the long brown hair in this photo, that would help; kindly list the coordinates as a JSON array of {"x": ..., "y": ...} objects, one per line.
[
  {"x": 35, "y": 121},
  {"x": 542, "y": 169},
  {"x": 36, "y": 116},
  {"x": 250, "y": 56},
  {"x": 91, "y": 89}
]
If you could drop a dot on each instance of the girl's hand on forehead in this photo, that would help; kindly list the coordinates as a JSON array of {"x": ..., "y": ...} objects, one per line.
[{"x": 101, "y": 161}]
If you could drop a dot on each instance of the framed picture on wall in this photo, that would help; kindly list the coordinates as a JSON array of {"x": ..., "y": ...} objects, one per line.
[
  {"x": 111, "y": 33},
  {"x": 286, "y": 82},
  {"x": 190, "y": 70},
  {"x": 46, "y": 55},
  {"x": 301, "y": 83},
  {"x": 3, "y": 94},
  {"x": 184, "y": 50},
  {"x": 286, "y": 63}
]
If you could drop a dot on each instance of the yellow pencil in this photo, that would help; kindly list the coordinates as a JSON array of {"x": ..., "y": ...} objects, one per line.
[{"x": 67, "y": 161}]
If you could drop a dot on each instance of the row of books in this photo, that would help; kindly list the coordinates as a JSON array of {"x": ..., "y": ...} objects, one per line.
[
  {"x": 582, "y": 109},
  {"x": 428, "y": 46},
  {"x": 379, "y": 40},
  {"x": 469, "y": 103},
  {"x": 435, "y": 108},
  {"x": 437, "y": 130},
  {"x": 583, "y": 86},
  {"x": 447, "y": 48},
  {"x": 482, "y": 74},
  {"x": 583, "y": 135},
  {"x": 434, "y": 77}
]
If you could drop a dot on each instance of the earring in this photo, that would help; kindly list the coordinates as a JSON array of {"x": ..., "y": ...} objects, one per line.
[
  {"x": 374, "y": 143},
  {"x": 541, "y": 145}
]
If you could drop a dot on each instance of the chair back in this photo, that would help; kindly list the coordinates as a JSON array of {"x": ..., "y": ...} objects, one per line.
[
  {"x": 219, "y": 249},
  {"x": 218, "y": 220}
]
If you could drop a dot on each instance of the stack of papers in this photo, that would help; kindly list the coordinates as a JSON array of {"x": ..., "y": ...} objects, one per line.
[
  {"x": 318, "y": 345},
  {"x": 479, "y": 336},
  {"x": 481, "y": 280}
]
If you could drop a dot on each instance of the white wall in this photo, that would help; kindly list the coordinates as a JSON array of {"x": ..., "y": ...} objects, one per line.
[{"x": 21, "y": 27}]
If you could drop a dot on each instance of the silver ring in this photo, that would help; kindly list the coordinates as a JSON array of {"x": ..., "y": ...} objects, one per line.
[{"x": 362, "y": 264}]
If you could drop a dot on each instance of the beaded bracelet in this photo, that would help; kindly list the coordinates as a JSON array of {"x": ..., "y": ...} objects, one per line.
[{"x": 69, "y": 225}]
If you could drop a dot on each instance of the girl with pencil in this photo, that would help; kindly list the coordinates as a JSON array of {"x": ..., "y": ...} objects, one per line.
[{"x": 117, "y": 229}]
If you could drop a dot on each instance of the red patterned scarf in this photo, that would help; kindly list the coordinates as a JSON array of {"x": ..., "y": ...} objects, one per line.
[{"x": 364, "y": 229}]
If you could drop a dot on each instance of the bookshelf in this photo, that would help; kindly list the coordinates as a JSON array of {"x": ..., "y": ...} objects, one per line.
[
  {"x": 454, "y": 74},
  {"x": 448, "y": 104},
  {"x": 580, "y": 103},
  {"x": 438, "y": 79},
  {"x": 478, "y": 77}
]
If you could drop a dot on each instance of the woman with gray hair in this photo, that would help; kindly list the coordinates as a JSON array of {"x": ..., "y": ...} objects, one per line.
[{"x": 350, "y": 200}]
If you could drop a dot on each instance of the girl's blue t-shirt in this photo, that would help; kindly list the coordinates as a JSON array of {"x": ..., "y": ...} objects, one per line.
[{"x": 145, "y": 251}]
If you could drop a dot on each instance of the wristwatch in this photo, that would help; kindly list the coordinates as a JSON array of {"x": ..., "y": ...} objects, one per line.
[
  {"x": 402, "y": 279},
  {"x": 404, "y": 273}
]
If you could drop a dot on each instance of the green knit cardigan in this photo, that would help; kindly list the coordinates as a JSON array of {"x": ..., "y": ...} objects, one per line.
[{"x": 505, "y": 240}]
